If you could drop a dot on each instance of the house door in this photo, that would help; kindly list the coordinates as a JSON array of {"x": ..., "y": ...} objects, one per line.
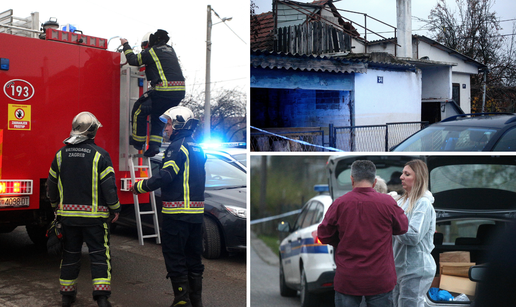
[{"x": 456, "y": 93}]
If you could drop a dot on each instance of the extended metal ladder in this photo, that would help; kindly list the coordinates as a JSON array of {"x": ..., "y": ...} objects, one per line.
[{"x": 143, "y": 166}]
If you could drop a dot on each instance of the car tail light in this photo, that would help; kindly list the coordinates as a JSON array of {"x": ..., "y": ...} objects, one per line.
[
  {"x": 316, "y": 238},
  {"x": 328, "y": 284},
  {"x": 16, "y": 187}
]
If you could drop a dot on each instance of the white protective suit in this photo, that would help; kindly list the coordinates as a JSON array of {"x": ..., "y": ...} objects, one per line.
[{"x": 415, "y": 266}]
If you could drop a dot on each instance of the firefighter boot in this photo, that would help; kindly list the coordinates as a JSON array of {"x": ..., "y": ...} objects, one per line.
[
  {"x": 68, "y": 300},
  {"x": 102, "y": 301},
  {"x": 181, "y": 298},
  {"x": 135, "y": 144},
  {"x": 153, "y": 150},
  {"x": 195, "y": 283}
]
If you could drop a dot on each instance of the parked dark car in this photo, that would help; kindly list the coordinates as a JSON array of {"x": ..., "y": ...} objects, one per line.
[
  {"x": 465, "y": 132},
  {"x": 225, "y": 208}
]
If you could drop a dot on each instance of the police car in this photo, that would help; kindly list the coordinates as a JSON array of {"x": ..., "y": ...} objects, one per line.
[{"x": 306, "y": 264}]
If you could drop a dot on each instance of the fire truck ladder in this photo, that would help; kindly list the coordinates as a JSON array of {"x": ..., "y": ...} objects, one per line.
[{"x": 143, "y": 166}]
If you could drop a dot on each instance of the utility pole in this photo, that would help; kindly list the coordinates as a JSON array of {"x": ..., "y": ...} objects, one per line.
[{"x": 207, "y": 94}]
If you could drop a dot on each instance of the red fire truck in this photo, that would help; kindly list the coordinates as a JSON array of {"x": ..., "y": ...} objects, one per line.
[{"x": 46, "y": 81}]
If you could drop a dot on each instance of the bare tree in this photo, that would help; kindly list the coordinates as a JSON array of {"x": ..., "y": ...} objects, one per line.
[
  {"x": 228, "y": 112},
  {"x": 255, "y": 23},
  {"x": 474, "y": 30}
]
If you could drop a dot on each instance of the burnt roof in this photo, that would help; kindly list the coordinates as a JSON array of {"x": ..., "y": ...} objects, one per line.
[{"x": 262, "y": 25}]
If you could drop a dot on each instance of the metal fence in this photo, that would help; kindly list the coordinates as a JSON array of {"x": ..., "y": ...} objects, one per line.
[
  {"x": 360, "y": 138},
  {"x": 398, "y": 132},
  {"x": 353, "y": 138},
  {"x": 375, "y": 137},
  {"x": 288, "y": 141}
]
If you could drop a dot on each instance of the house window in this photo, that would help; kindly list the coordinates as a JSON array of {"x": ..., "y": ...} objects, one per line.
[{"x": 327, "y": 100}]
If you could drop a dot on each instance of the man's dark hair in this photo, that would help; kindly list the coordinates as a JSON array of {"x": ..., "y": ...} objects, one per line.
[{"x": 363, "y": 170}]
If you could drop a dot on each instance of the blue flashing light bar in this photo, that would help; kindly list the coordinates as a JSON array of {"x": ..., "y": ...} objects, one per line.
[
  {"x": 321, "y": 188},
  {"x": 223, "y": 145}
]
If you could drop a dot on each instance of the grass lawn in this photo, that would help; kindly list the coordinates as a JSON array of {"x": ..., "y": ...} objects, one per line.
[{"x": 271, "y": 242}]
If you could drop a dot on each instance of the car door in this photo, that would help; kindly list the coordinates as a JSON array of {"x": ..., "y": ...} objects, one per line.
[
  {"x": 292, "y": 248},
  {"x": 303, "y": 238}
]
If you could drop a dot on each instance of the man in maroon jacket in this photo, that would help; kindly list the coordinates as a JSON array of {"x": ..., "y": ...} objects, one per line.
[{"x": 359, "y": 225}]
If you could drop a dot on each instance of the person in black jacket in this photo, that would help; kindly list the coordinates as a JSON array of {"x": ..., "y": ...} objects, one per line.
[
  {"x": 81, "y": 187},
  {"x": 163, "y": 71},
  {"x": 182, "y": 179}
]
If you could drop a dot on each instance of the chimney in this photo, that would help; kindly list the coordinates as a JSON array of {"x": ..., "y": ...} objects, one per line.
[{"x": 404, "y": 32}]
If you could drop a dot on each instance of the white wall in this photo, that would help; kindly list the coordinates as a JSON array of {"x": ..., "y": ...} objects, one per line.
[
  {"x": 437, "y": 83},
  {"x": 465, "y": 93},
  {"x": 389, "y": 48},
  {"x": 358, "y": 46},
  {"x": 435, "y": 54},
  {"x": 288, "y": 16},
  {"x": 397, "y": 99}
]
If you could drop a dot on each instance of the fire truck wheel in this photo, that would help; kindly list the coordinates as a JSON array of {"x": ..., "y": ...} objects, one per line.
[
  {"x": 211, "y": 243},
  {"x": 37, "y": 235}
]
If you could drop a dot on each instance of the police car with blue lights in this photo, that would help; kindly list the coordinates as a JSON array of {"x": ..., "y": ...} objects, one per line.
[{"x": 306, "y": 264}]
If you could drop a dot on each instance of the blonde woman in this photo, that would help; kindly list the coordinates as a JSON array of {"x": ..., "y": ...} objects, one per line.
[{"x": 415, "y": 266}]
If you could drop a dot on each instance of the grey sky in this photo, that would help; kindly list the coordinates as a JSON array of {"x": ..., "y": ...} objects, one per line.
[
  {"x": 385, "y": 10},
  {"x": 184, "y": 20}
]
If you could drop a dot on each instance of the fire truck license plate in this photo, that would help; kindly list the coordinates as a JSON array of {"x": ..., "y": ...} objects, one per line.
[{"x": 14, "y": 202}]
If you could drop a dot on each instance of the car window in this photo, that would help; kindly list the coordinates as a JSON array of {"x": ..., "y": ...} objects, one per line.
[
  {"x": 311, "y": 212},
  {"x": 319, "y": 213},
  {"x": 507, "y": 141},
  {"x": 220, "y": 173},
  {"x": 301, "y": 217},
  {"x": 344, "y": 179},
  {"x": 473, "y": 176},
  {"x": 442, "y": 138},
  {"x": 460, "y": 229},
  {"x": 242, "y": 158}
]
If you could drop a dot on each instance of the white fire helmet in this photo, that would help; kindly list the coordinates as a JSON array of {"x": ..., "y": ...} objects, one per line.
[
  {"x": 145, "y": 40},
  {"x": 84, "y": 127},
  {"x": 179, "y": 116}
]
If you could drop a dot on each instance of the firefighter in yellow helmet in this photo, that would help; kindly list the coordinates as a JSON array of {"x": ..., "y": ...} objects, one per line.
[
  {"x": 181, "y": 179},
  {"x": 81, "y": 187},
  {"x": 163, "y": 71}
]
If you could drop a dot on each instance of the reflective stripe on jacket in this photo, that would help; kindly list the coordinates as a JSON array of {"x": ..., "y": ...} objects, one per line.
[
  {"x": 181, "y": 178},
  {"x": 161, "y": 67},
  {"x": 81, "y": 182}
]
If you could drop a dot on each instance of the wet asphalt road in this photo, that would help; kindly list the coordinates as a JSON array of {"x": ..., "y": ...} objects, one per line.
[
  {"x": 30, "y": 278},
  {"x": 265, "y": 279}
]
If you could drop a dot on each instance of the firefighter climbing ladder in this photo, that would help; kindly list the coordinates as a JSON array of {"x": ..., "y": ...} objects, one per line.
[{"x": 143, "y": 166}]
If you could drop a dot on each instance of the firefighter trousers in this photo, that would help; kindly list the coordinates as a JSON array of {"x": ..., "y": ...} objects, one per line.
[
  {"x": 97, "y": 239},
  {"x": 182, "y": 247},
  {"x": 160, "y": 102}
]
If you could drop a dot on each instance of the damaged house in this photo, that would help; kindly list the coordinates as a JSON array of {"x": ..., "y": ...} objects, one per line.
[{"x": 312, "y": 70}]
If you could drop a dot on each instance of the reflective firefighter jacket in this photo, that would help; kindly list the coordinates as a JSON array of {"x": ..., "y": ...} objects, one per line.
[
  {"x": 81, "y": 184},
  {"x": 162, "y": 68},
  {"x": 181, "y": 178}
]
